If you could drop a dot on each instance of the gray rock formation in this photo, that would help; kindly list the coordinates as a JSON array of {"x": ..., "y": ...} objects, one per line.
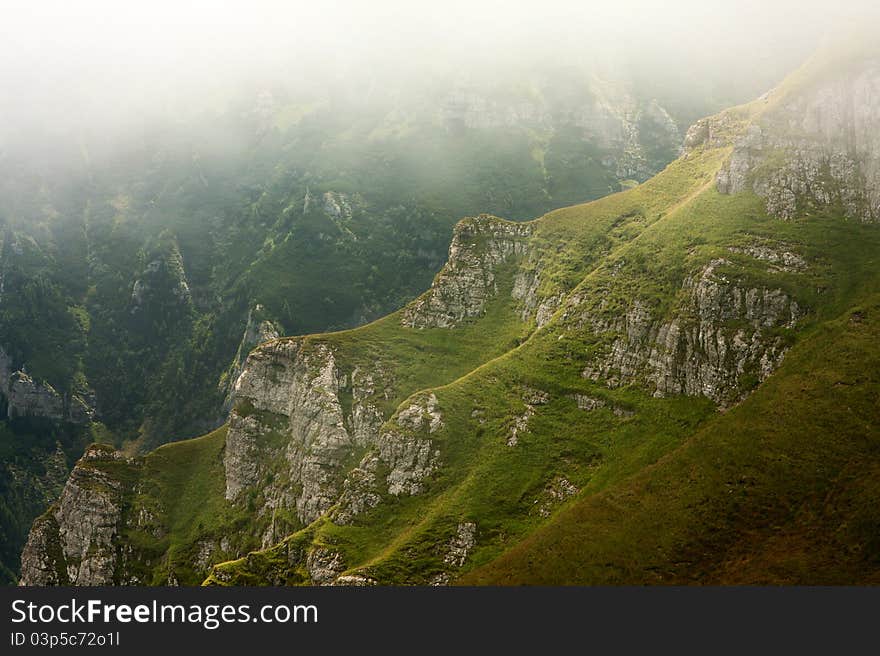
[
  {"x": 403, "y": 446},
  {"x": 717, "y": 345},
  {"x": 480, "y": 246},
  {"x": 559, "y": 490},
  {"x": 289, "y": 427},
  {"x": 324, "y": 566},
  {"x": 526, "y": 285},
  {"x": 780, "y": 256},
  {"x": 819, "y": 147},
  {"x": 75, "y": 542},
  {"x": 26, "y": 397},
  {"x": 288, "y": 422},
  {"x": 459, "y": 548},
  {"x": 258, "y": 329},
  {"x": 403, "y": 449}
]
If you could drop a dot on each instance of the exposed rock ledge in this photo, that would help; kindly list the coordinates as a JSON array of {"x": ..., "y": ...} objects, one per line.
[
  {"x": 26, "y": 397},
  {"x": 821, "y": 148},
  {"x": 719, "y": 344},
  {"x": 74, "y": 542},
  {"x": 480, "y": 245}
]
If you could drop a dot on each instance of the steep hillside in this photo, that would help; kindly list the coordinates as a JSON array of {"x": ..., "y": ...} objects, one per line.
[
  {"x": 780, "y": 490},
  {"x": 139, "y": 267},
  {"x": 308, "y": 410},
  {"x": 673, "y": 383}
]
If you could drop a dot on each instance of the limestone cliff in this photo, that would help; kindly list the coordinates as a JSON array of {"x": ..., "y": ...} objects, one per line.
[
  {"x": 75, "y": 541},
  {"x": 258, "y": 329},
  {"x": 26, "y": 397},
  {"x": 721, "y": 340},
  {"x": 288, "y": 423},
  {"x": 816, "y": 147},
  {"x": 480, "y": 246}
]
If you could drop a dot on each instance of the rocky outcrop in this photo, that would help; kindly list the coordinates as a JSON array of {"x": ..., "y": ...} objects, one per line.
[
  {"x": 557, "y": 491},
  {"x": 712, "y": 132},
  {"x": 780, "y": 256},
  {"x": 403, "y": 451},
  {"x": 257, "y": 330},
  {"x": 404, "y": 448},
  {"x": 459, "y": 548},
  {"x": 526, "y": 286},
  {"x": 818, "y": 148},
  {"x": 589, "y": 403},
  {"x": 26, "y": 397},
  {"x": 75, "y": 542},
  {"x": 289, "y": 427},
  {"x": 324, "y": 565},
  {"x": 480, "y": 246},
  {"x": 719, "y": 344},
  {"x": 288, "y": 423}
]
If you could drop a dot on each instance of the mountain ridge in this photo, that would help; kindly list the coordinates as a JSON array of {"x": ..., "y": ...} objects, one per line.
[{"x": 670, "y": 301}]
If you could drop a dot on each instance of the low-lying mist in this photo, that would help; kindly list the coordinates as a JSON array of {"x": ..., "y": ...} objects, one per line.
[{"x": 99, "y": 67}]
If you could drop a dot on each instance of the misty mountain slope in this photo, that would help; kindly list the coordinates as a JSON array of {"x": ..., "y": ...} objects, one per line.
[
  {"x": 747, "y": 285},
  {"x": 308, "y": 408},
  {"x": 139, "y": 267},
  {"x": 599, "y": 351}
]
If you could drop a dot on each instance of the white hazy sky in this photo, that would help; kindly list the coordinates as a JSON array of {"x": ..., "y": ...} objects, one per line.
[
  {"x": 102, "y": 33},
  {"x": 54, "y": 53}
]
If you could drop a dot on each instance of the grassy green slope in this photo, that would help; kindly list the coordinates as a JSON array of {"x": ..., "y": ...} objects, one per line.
[
  {"x": 483, "y": 480},
  {"x": 641, "y": 489},
  {"x": 508, "y": 492},
  {"x": 782, "y": 489},
  {"x": 182, "y": 483}
]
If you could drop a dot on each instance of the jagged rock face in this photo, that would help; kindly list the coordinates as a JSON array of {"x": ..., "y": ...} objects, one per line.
[
  {"x": 324, "y": 566},
  {"x": 822, "y": 147},
  {"x": 292, "y": 390},
  {"x": 26, "y": 397},
  {"x": 288, "y": 425},
  {"x": 718, "y": 345},
  {"x": 75, "y": 542},
  {"x": 461, "y": 290},
  {"x": 526, "y": 285},
  {"x": 404, "y": 449},
  {"x": 42, "y": 560},
  {"x": 711, "y": 132},
  {"x": 480, "y": 247},
  {"x": 257, "y": 331},
  {"x": 289, "y": 436}
]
